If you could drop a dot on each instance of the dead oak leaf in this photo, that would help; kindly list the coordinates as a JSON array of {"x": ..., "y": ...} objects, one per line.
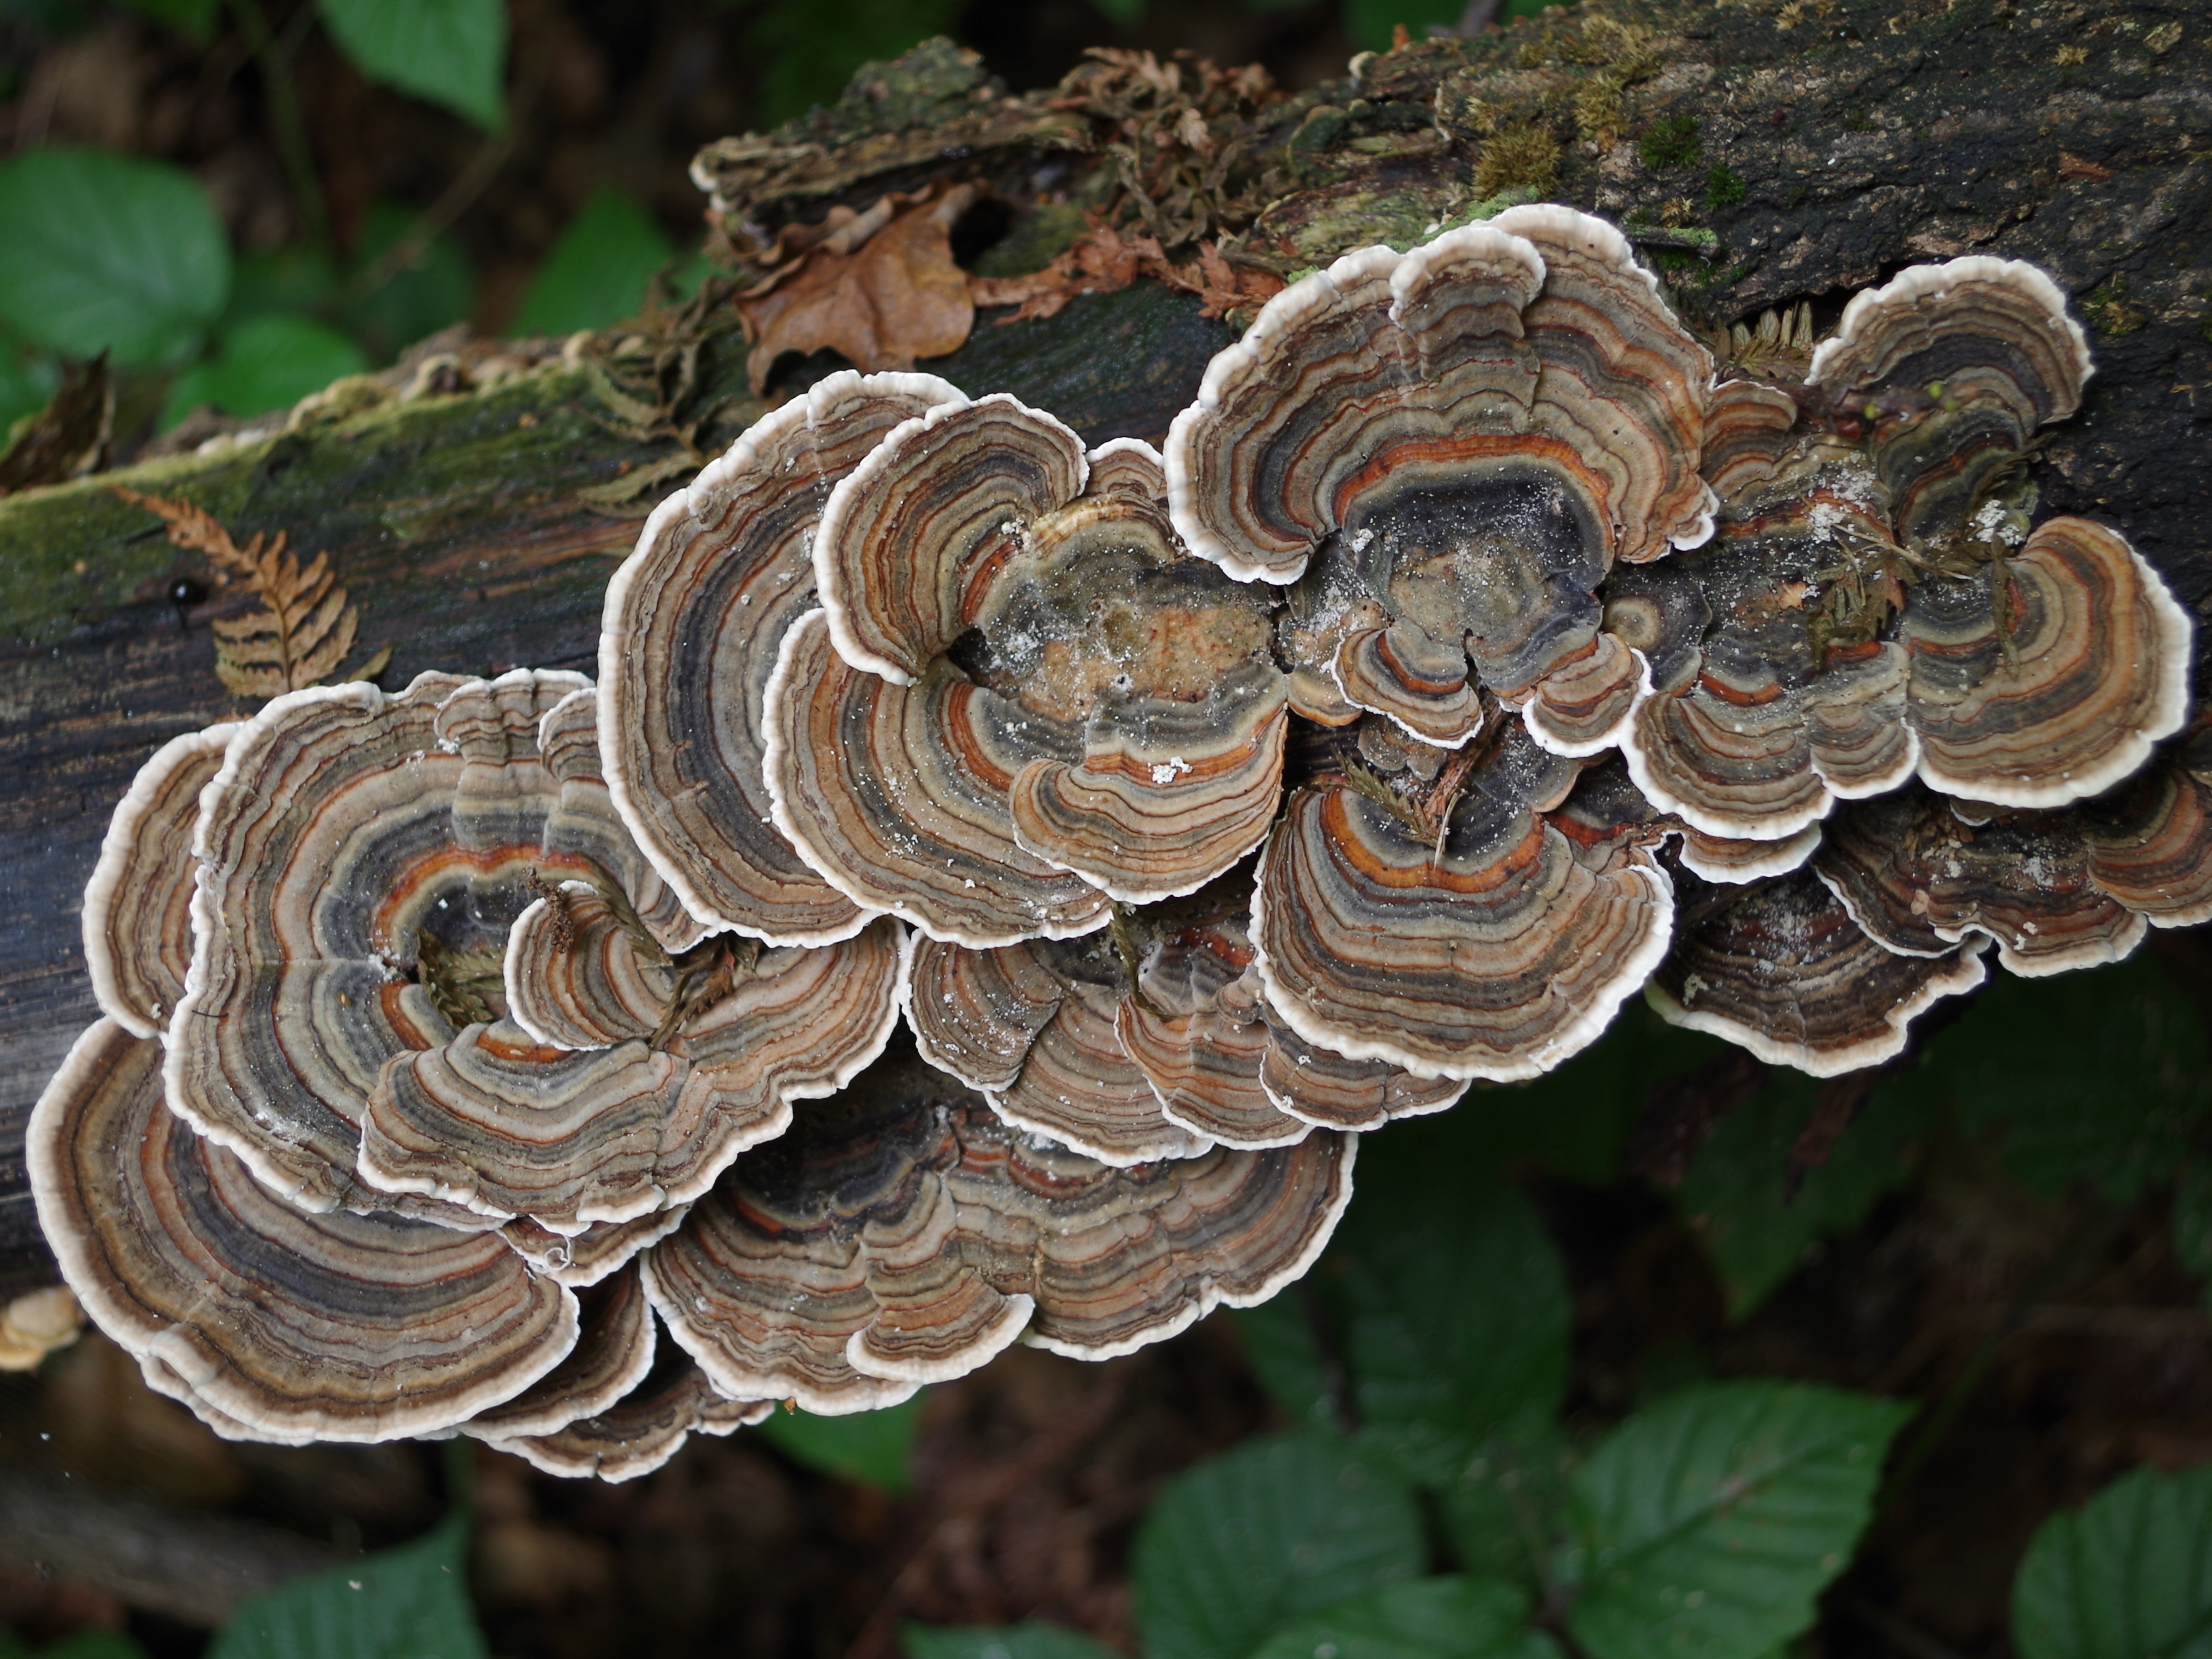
[
  {"x": 1104, "y": 261},
  {"x": 880, "y": 288}
]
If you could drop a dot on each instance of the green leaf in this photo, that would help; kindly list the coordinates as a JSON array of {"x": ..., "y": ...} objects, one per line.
[
  {"x": 438, "y": 290},
  {"x": 1370, "y": 22},
  {"x": 1266, "y": 1534},
  {"x": 1029, "y": 1641},
  {"x": 2127, "y": 1576},
  {"x": 1736, "y": 1195},
  {"x": 1279, "y": 1345},
  {"x": 451, "y": 52},
  {"x": 194, "y": 17},
  {"x": 27, "y": 384},
  {"x": 1510, "y": 1504},
  {"x": 1708, "y": 1524},
  {"x": 2101, "y": 1076},
  {"x": 410, "y": 1602},
  {"x": 101, "y": 252},
  {"x": 596, "y": 273},
  {"x": 294, "y": 278},
  {"x": 1457, "y": 1309},
  {"x": 1429, "y": 1619},
  {"x": 808, "y": 50},
  {"x": 869, "y": 1447},
  {"x": 270, "y": 362},
  {"x": 1574, "y": 1121}
]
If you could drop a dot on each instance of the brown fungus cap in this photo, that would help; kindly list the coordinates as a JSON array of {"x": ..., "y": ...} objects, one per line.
[
  {"x": 2050, "y": 675},
  {"x": 1031, "y": 1027},
  {"x": 584, "y": 1258},
  {"x": 361, "y": 856},
  {"x": 367, "y": 856},
  {"x": 902, "y": 1234},
  {"x": 640, "y": 1432},
  {"x": 1946, "y": 370},
  {"x": 1050, "y": 688},
  {"x": 2056, "y": 890},
  {"x": 1451, "y": 448},
  {"x": 1779, "y": 968},
  {"x": 503, "y": 1125},
  {"x": 613, "y": 1352},
  {"x": 272, "y": 1323},
  {"x": 137, "y": 906},
  {"x": 1452, "y": 928},
  {"x": 1759, "y": 725},
  {"x": 692, "y": 623}
]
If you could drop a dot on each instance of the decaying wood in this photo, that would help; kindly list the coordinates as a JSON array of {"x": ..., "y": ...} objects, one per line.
[{"x": 1763, "y": 154}]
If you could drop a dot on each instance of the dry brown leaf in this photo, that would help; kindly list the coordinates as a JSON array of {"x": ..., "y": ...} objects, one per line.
[
  {"x": 303, "y": 627},
  {"x": 879, "y": 288},
  {"x": 1104, "y": 261}
]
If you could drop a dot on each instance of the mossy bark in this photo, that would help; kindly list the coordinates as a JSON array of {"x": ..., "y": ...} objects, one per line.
[{"x": 1761, "y": 153}]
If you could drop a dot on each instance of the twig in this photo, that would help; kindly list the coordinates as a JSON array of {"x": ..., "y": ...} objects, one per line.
[
  {"x": 470, "y": 182},
  {"x": 290, "y": 127}
]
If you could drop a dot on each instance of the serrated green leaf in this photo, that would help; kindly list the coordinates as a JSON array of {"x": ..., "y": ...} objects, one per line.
[
  {"x": 1028, "y": 1641},
  {"x": 870, "y": 1447},
  {"x": 1510, "y": 1504},
  {"x": 2127, "y": 1576},
  {"x": 1277, "y": 1530},
  {"x": 100, "y": 252},
  {"x": 410, "y": 1602},
  {"x": 1707, "y": 1525},
  {"x": 270, "y": 362},
  {"x": 1430, "y": 1618},
  {"x": 596, "y": 273},
  {"x": 1736, "y": 1195},
  {"x": 2099, "y": 1077},
  {"x": 450, "y": 52},
  {"x": 1457, "y": 1313}
]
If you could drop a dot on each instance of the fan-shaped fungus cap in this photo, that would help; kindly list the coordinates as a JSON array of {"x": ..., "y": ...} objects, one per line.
[
  {"x": 361, "y": 856},
  {"x": 587, "y": 826},
  {"x": 503, "y": 1125},
  {"x": 584, "y": 1258},
  {"x": 137, "y": 906},
  {"x": 1461, "y": 440},
  {"x": 902, "y": 1234},
  {"x": 1760, "y": 723},
  {"x": 2050, "y": 675},
  {"x": 689, "y": 639},
  {"x": 613, "y": 1352},
  {"x": 1779, "y": 968},
  {"x": 1035, "y": 695},
  {"x": 2057, "y": 891},
  {"x": 272, "y": 1323},
  {"x": 1451, "y": 928},
  {"x": 1948, "y": 369},
  {"x": 1031, "y": 1027},
  {"x": 639, "y": 1433},
  {"x": 1098, "y": 1043},
  {"x": 2150, "y": 844}
]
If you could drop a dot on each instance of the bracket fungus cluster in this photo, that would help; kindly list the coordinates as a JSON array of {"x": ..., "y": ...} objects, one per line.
[{"x": 524, "y": 1057}]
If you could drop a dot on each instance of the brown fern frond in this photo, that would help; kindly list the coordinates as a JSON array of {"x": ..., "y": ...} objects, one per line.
[{"x": 304, "y": 626}]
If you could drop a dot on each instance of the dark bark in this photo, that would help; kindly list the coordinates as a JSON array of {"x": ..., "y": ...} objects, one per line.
[{"x": 1761, "y": 153}]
